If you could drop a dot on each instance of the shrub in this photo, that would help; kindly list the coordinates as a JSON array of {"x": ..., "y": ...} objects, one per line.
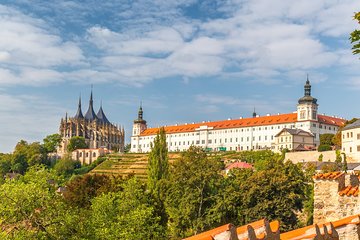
[{"x": 324, "y": 147}]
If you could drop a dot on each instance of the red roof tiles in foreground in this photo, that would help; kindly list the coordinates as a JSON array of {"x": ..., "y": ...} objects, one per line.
[
  {"x": 245, "y": 122},
  {"x": 257, "y": 228},
  {"x": 328, "y": 176},
  {"x": 309, "y": 232},
  {"x": 350, "y": 191}
]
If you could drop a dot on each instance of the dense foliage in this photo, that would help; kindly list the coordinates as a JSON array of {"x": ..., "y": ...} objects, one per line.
[
  {"x": 158, "y": 164},
  {"x": 192, "y": 195},
  {"x": 76, "y": 143}
]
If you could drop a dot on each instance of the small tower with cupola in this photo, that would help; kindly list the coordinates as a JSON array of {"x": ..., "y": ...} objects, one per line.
[
  {"x": 307, "y": 105},
  {"x": 139, "y": 124}
]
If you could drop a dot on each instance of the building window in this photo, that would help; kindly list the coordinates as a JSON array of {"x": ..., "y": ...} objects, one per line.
[
  {"x": 94, "y": 154},
  {"x": 80, "y": 155},
  {"x": 350, "y": 149},
  {"x": 87, "y": 154},
  {"x": 351, "y": 134},
  {"x": 358, "y": 136},
  {"x": 202, "y": 141},
  {"x": 197, "y": 141},
  {"x": 358, "y": 148},
  {"x": 209, "y": 141}
]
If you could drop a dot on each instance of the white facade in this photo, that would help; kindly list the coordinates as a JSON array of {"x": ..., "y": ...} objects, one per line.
[
  {"x": 350, "y": 141},
  {"x": 238, "y": 134}
]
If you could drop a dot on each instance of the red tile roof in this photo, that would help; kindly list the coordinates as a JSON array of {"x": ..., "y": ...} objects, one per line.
[
  {"x": 309, "y": 232},
  {"x": 239, "y": 165},
  {"x": 209, "y": 235},
  {"x": 328, "y": 176},
  {"x": 245, "y": 122},
  {"x": 331, "y": 120},
  {"x": 350, "y": 191},
  {"x": 242, "y": 232}
]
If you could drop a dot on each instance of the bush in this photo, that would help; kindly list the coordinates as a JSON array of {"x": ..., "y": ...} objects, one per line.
[{"x": 324, "y": 147}]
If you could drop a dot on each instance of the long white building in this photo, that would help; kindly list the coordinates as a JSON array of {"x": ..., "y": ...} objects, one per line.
[{"x": 258, "y": 132}]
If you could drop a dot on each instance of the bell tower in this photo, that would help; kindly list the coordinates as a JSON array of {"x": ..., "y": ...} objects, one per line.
[
  {"x": 138, "y": 127},
  {"x": 307, "y": 105}
]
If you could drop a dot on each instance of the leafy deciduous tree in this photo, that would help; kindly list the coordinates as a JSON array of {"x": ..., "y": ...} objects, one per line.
[
  {"x": 355, "y": 36},
  {"x": 76, "y": 143},
  {"x": 51, "y": 142}
]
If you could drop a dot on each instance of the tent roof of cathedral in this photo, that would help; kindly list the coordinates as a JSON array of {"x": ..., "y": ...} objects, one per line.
[
  {"x": 245, "y": 122},
  {"x": 101, "y": 116},
  {"x": 79, "y": 113},
  {"x": 90, "y": 114}
]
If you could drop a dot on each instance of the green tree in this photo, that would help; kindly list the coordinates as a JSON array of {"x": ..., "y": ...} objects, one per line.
[
  {"x": 190, "y": 192},
  {"x": 66, "y": 166},
  {"x": 82, "y": 189},
  {"x": 31, "y": 207},
  {"x": 274, "y": 193},
  {"x": 158, "y": 163},
  {"x": 76, "y": 143},
  {"x": 355, "y": 36},
  {"x": 51, "y": 142},
  {"x": 326, "y": 139},
  {"x": 321, "y": 156},
  {"x": 344, "y": 165},
  {"x": 338, "y": 160},
  {"x": 127, "y": 148},
  {"x": 126, "y": 214}
]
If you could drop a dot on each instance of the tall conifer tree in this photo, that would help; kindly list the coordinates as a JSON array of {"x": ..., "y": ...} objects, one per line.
[{"x": 158, "y": 165}]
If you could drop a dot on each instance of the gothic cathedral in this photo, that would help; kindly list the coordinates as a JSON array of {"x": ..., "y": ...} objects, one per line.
[{"x": 95, "y": 128}]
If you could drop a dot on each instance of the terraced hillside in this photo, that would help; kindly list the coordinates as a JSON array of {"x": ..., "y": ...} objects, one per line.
[{"x": 127, "y": 164}]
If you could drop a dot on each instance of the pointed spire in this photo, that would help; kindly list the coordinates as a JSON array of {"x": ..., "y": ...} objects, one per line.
[
  {"x": 101, "y": 115},
  {"x": 90, "y": 114},
  {"x": 140, "y": 115},
  {"x": 307, "y": 87},
  {"x": 79, "y": 114},
  {"x": 254, "y": 113},
  {"x": 307, "y": 98}
]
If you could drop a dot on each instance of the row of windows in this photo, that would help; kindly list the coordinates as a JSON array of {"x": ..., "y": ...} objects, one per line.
[
  {"x": 351, "y": 135},
  {"x": 350, "y": 149},
  {"x": 87, "y": 154}
]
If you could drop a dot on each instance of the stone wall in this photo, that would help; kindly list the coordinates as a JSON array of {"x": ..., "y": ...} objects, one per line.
[
  {"x": 329, "y": 204},
  {"x": 310, "y": 156},
  {"x": 326, "y": 199}
]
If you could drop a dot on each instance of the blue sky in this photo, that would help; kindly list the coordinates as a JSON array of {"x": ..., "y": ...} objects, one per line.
[{"x": 186, "y": 60}]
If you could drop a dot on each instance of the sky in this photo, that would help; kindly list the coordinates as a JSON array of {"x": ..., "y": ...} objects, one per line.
[{"x": 186, "y": 60}]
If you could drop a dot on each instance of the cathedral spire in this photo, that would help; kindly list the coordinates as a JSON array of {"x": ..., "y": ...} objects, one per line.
[
  {"x": 101, "y": 115},
  {"x": 254, "y": 113},
  {"x": 79, "y": 113},
  {"x": 90, "y": 114}
]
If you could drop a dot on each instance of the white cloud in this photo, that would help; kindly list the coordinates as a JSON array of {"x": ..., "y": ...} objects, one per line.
[{"x": 27, "y": 117}]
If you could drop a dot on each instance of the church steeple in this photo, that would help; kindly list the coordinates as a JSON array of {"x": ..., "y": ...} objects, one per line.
[
  {"x": 140, "y": 118},
  {"x": 307, "y": 87},
  {"x": 101, "y": 115},
  {"x": 79, "y": 113},
  {"x": 254, "y": 113},
  {"x": 90, "y": 114},
  {"x": 307, "y": 98}
]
